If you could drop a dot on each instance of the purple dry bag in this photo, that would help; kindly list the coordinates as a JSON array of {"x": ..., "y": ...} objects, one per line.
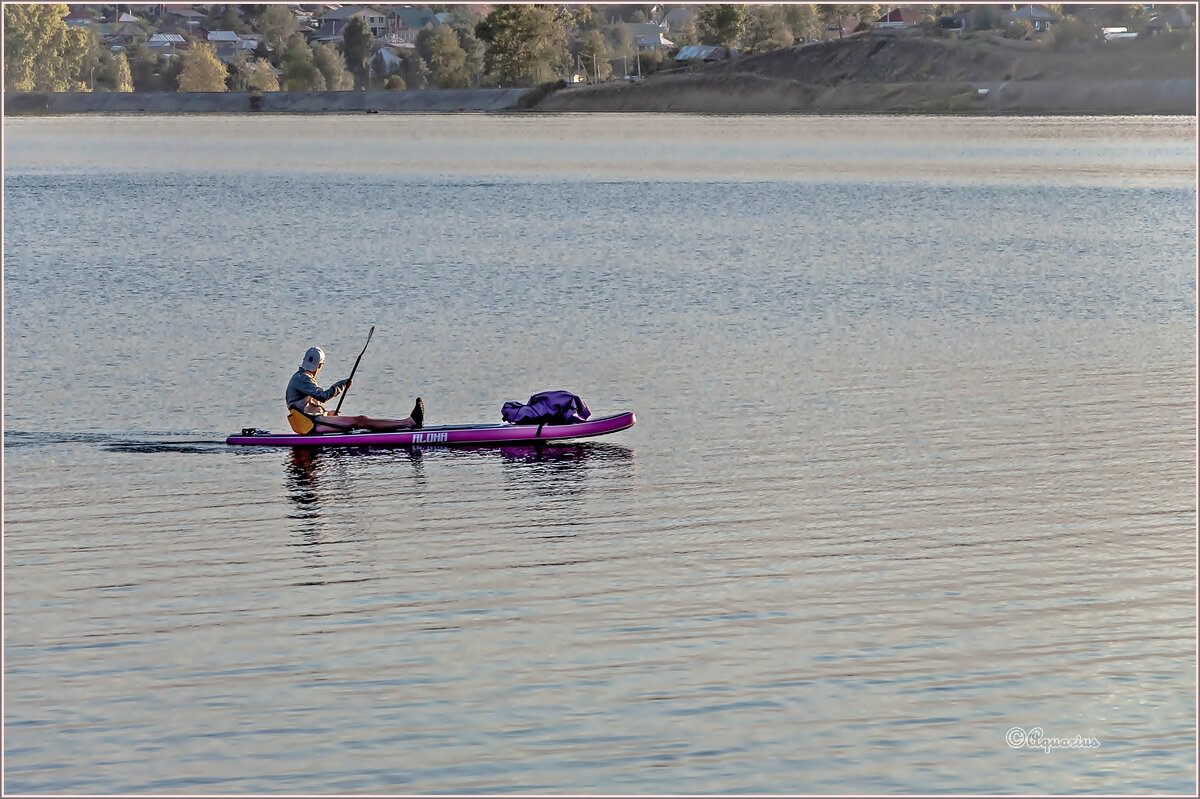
[{"x": 548, "y": 407}]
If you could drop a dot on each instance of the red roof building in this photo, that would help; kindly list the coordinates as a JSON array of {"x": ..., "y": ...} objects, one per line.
[{"x": 899, "y": 18}]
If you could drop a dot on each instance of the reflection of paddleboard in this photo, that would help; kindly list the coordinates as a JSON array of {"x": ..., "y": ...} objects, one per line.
[{"x": 444, "y": 435}]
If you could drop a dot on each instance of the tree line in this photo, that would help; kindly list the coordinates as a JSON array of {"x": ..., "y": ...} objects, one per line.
[{"x": 514, "y": 45}]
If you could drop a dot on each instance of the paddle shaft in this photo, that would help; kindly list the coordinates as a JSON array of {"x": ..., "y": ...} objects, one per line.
[{"x": 370, "y": 333}]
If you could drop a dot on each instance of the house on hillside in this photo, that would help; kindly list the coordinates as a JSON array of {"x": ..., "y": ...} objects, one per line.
[
  {"x": 304, "y": 17},
  {"x": 386, "y": 60},
  {"x": 898, "y": 18},
  {"x": 650, "y": 36},
  {"x": 406, "y": 22},
  {"x": 333, "y": 23},
  {"x": 707, "y": 53},
  {"x": 656, "y": 42},
  {"x": 645, "y": 35},
  {"x": 1173, "y": 19},
  {"x": 1039, "y": 18},
  {"x": 166, "y": 45},
  {"x": 225, "y": 43},
  {"x": 183, "y": 16},
  {"x": 80, "y": 17},
  {"x": 119, "y": 35}
]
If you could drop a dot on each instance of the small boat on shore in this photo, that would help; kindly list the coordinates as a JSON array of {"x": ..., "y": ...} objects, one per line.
[{"x": 445, "y": 435}]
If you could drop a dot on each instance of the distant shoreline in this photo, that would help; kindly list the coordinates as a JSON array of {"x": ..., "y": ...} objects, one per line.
[
  {"x": 381, "y": 101},
  {"x": 740, "y": 94}
]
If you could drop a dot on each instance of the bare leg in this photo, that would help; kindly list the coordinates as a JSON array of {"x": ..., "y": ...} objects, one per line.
[{"x": 343, "y": 424}]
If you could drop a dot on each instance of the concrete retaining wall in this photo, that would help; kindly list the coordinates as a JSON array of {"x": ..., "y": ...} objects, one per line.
[{"x": 447, "y": 100}]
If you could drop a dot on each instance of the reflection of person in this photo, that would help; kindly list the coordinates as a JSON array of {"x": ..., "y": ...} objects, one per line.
[
  {"x": 306, "y": 403},
  {"x": 307, "y": 468},
  {"x": 303, "y": 480}
]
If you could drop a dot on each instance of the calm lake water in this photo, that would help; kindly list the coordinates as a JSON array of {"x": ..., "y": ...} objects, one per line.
[{"x": 915, "y": 459}]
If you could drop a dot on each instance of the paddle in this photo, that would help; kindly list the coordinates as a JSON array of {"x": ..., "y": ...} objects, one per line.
[{"x": 370, "y": 333}]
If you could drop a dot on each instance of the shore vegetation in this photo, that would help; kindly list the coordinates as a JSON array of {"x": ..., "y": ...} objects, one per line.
[
  {"x": 202, "y": 71},
  {"x": 154, "y": 48}
]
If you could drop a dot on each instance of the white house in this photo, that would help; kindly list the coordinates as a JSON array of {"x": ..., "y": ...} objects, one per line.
[{"x": 1039, "y": 18}]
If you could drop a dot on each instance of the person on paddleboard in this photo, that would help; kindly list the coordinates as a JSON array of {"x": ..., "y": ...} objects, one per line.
[{"x": 306, "y": 404}]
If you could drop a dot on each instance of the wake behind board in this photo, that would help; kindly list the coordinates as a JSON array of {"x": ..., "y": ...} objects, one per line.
[{"x": 445, "y": 435}]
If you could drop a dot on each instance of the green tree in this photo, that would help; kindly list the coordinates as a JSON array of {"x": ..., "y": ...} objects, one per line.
[
  {"x": 1070, "y": 32},
  {"x": 463, "y": 21},
  {"x": 651, "y": 61},
  {"x": 40, "y": 52},
  {"x": 869, "y": 12},
  {"x": 356, "y": 47},
  {"x": 395, "y": 81},
  {"x": 593, "y": 52},
  {"x": 803, "y": 20},
  {"x": 300, "y": 74},
  {"x": 1129, "y": 15},
  {"x": 147, "y": 69},
  {"x": 687, "y": 32},
  {"x": 836, "y": 17},
  {"x": 170, "y": 72},
  {"x": 464, "y": 15},
  {"x": 939, "y": 10},
  {"x": 722, "y": 25},
  {"x": 984, "y": 18},
  {"x": 277, "y": 25},
  {"x": 446, "y": 58},
  {"x": 229, "y": 19},
  {"x": 261, "y": 77},
  {"x": 621, "y": 45},
  {"x": 333, "y": 68},
  {"x": 768, "y": 29},
  {"x": 202, "y": 70},
  {"x": 526, "y": 45},
  {"x": 122, "y": 80},
  {"x": 637, "y": 16},
  {"x": 416, "y": 72},
  {"x": 143, "y": 63},
  {"x": 104, "y": 70},
  {"x": 424, "y": 37},
  {"x": 1018, "y": 29},
  {"x": 585, "y": 18},
  {"x": 382, "y": 68},
  {"x": 475, "y": 51},
  {"x": 239, "y": 69}
]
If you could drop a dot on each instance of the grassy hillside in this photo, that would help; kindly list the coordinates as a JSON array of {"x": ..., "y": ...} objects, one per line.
[
  {"x": 913, "y": 72},
  {"x": 981, "y": 57}
]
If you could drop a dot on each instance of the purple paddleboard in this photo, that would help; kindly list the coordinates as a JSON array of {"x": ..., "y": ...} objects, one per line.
[{"x": 446, "y": 435}]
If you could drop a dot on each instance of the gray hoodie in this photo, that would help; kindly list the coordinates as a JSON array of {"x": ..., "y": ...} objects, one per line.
[{"x": 306, "y": 396}]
